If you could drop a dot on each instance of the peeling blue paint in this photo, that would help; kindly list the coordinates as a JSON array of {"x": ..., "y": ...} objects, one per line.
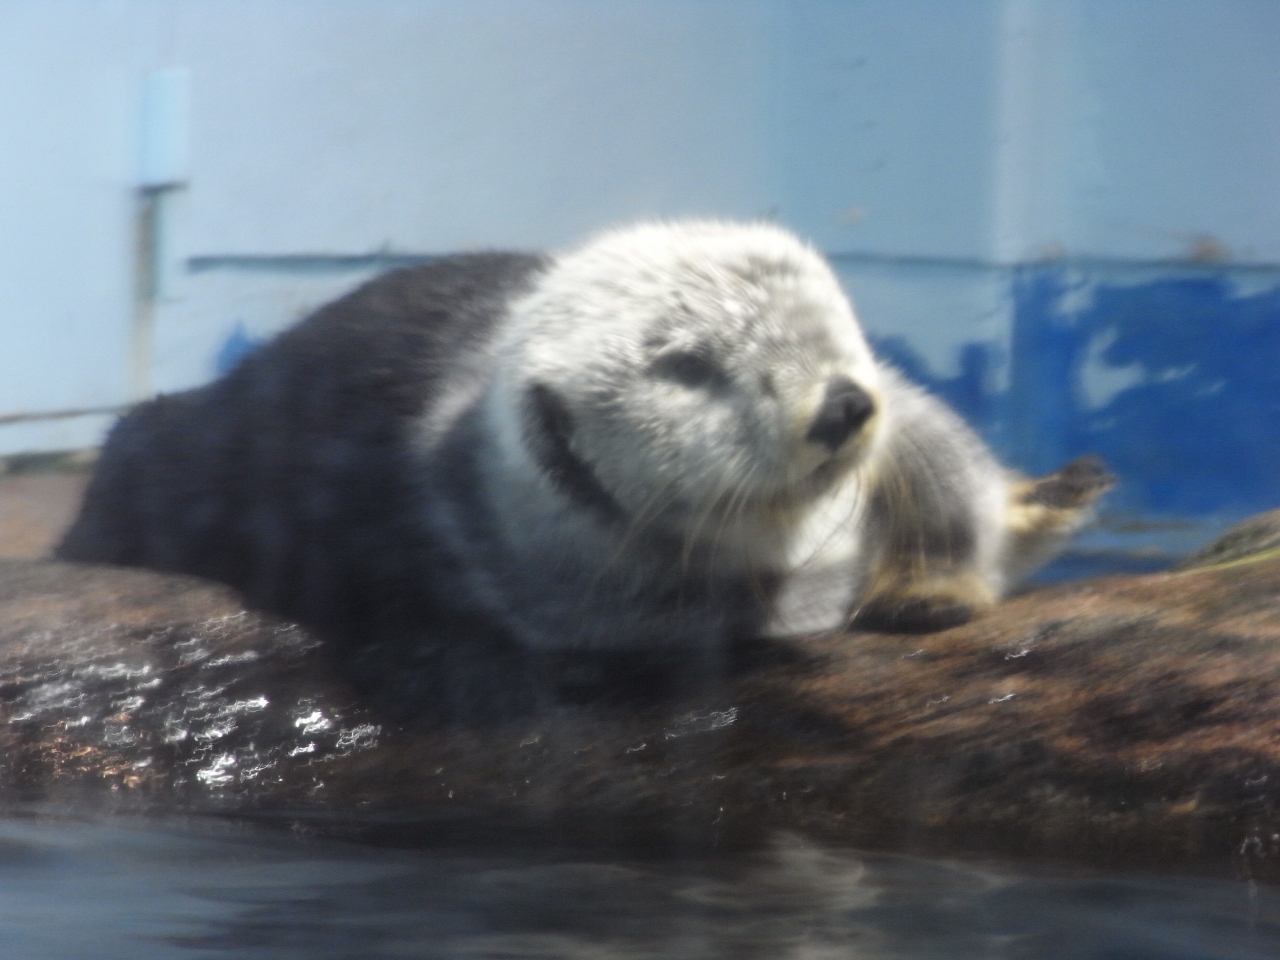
[
  {"x": 1196, "y": 432},
  {"x": 1170, "y": 374},
  {"x": 971, "y": 392},
  {"x": 233, "y": 349}
]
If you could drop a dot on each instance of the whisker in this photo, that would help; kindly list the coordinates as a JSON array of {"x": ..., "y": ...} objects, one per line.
[
  {"x": 737, "y": 499},
  {"x": 635, "y": 525}
]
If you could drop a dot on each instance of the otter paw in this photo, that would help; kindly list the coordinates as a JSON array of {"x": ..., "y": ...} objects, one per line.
[
  {"x": 1076, "y": 486},
  {"x": 895, "y": 612}
]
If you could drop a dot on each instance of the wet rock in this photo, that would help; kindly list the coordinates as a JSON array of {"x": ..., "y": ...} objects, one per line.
[
  {"x": 1249, "y": 539},
  {"x": 1124, "y": 721},
  {"x": 152, "y": 688}
]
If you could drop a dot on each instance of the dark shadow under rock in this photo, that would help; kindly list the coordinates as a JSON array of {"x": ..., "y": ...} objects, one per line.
[{"x": 1124, "y": 721}]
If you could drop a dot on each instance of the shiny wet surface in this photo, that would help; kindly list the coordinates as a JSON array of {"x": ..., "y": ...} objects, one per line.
[{"x": 143, "y": 889}]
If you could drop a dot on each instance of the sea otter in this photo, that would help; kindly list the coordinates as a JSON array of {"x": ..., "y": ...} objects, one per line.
[{"x": 671, "y": 437}]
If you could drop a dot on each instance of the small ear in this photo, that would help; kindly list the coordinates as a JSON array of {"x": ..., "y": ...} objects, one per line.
[{"x": 1077, "y": 485}]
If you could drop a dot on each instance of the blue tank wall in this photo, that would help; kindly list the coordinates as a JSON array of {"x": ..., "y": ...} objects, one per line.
[{"x": 1194, "y": 427}]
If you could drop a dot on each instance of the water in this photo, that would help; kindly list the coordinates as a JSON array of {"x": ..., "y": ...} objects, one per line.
[{"x": 144, "y": 890}]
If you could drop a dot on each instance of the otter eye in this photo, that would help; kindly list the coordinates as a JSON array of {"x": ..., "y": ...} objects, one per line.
[{"x": 690, "y": 369}]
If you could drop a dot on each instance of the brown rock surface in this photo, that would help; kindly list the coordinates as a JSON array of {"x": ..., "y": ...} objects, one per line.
[
  {"x": 35, "y": 510},
  {"x": 1251, "y": 538},
  {"x": 1128, "y": 720}
]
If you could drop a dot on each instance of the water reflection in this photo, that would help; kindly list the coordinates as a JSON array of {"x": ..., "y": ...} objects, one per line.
[{"x": 143, "y": 891}]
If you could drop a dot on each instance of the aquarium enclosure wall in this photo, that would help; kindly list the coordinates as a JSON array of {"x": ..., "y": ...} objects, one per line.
[{"x": 1063, "y": 216}]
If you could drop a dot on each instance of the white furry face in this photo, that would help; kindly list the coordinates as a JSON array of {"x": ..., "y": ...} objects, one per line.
[{"x": 691, "y": 367}]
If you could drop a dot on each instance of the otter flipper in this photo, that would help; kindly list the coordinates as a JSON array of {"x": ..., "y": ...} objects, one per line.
[
  {"x": 1076, "y": 486},
  {"x": 1044, "y": 513},
  {"x": 949, "y": 530}
]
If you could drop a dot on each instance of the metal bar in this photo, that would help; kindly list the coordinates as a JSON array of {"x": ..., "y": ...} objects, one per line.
[{"x": 6, "y": 419}]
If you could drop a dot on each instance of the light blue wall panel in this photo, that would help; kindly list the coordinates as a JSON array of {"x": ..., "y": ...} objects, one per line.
[
  {"x": 886, "y": 131},
  {"x": 432, "y": 126},
  {"x": 1183, "y": 114},
  {"x": 66, "y": 165}
]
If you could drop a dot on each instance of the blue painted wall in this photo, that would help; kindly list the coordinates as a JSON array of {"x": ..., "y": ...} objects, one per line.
[
  {"x": 1194, "y": 431},
  {"x": 1170, "y": 373}
]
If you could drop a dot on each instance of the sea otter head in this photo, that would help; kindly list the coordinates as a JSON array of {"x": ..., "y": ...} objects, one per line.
[{"x": 688, "y": 373}]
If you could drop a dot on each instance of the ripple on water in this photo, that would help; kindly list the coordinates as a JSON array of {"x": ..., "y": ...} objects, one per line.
[{"x": 145, "y": 891}]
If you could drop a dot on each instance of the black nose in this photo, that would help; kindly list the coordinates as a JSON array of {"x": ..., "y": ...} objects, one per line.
[{"x": 845, "y": 408}]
